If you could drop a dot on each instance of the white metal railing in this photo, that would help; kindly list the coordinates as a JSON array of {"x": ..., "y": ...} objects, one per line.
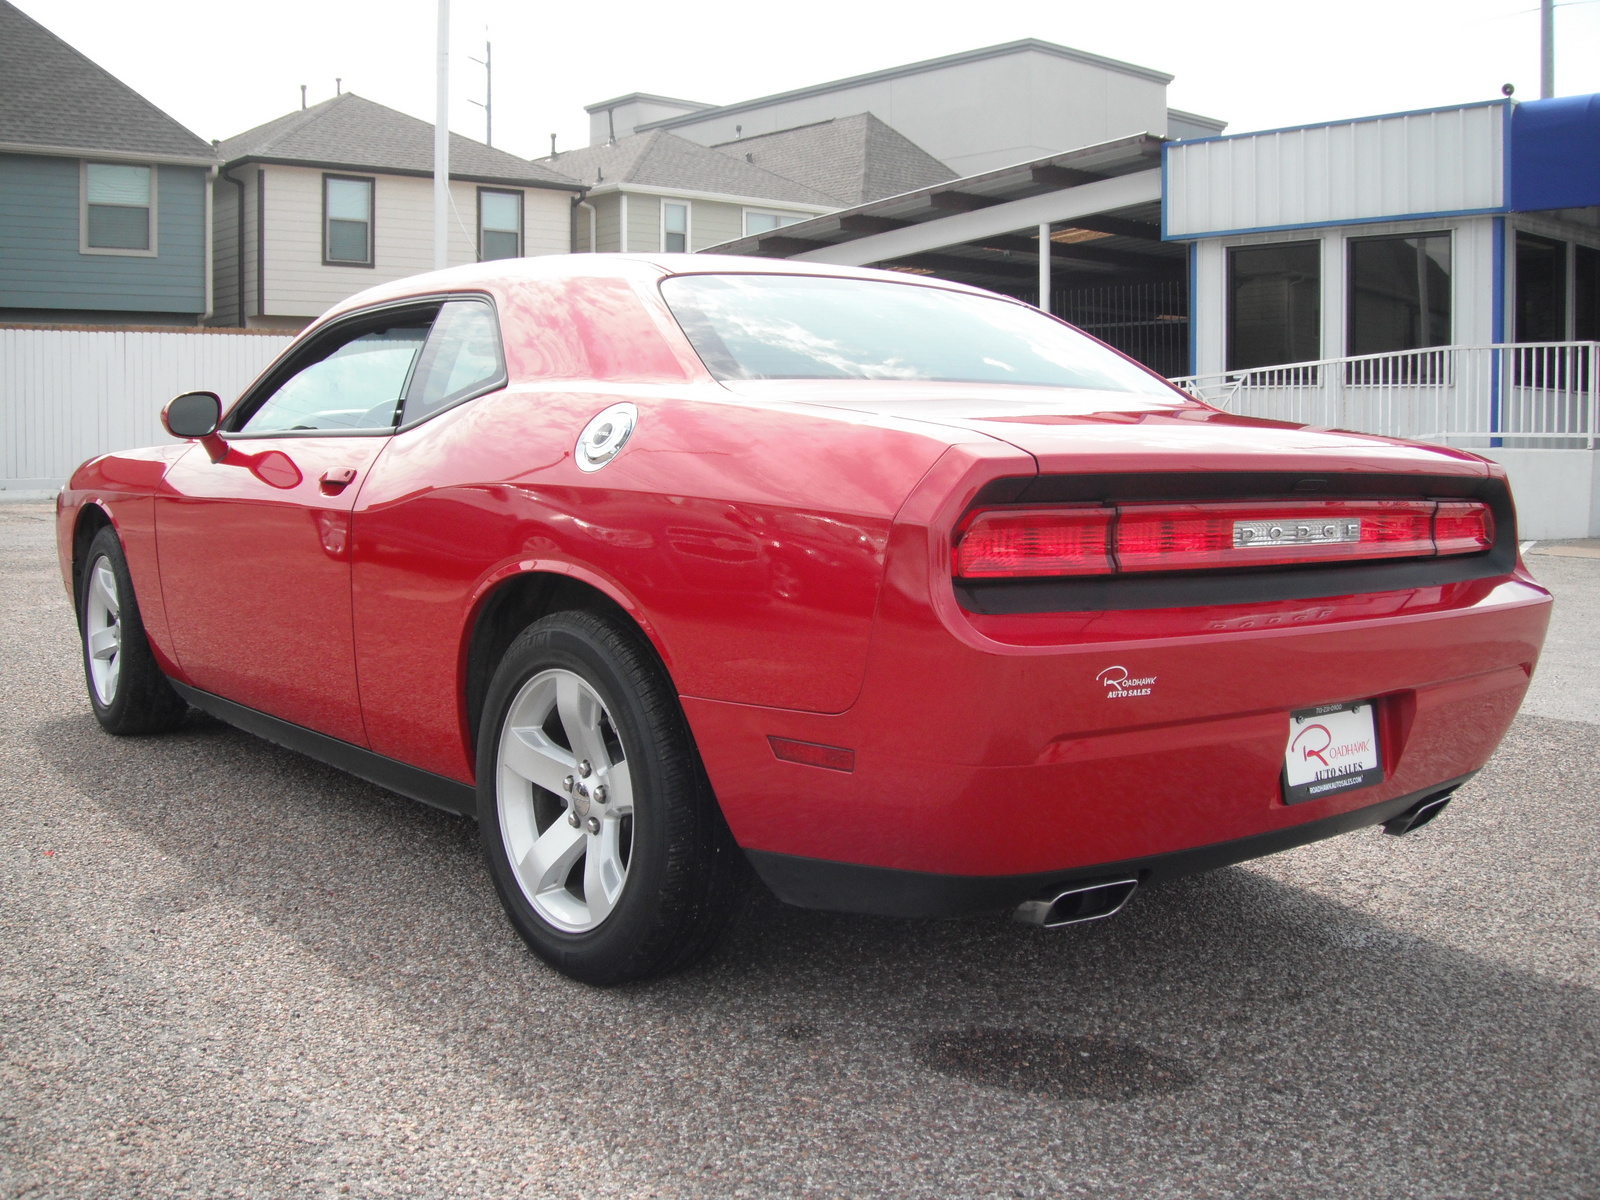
[{"x": 1527, "y": 394}]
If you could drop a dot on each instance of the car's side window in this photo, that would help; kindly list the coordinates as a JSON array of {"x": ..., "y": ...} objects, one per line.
[
  {"x": 356, "y": 384},
  {"x": 461, "y": 359}
]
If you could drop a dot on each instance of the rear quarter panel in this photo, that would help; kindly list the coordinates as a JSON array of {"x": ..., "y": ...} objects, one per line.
[{"x": 748, "y": 542}]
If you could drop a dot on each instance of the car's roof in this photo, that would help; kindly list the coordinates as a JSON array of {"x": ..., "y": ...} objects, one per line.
[{"x": 641, "y": 268}]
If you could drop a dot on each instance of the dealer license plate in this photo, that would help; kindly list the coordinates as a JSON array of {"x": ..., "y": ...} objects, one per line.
[{"x": 1332, "y": 748}]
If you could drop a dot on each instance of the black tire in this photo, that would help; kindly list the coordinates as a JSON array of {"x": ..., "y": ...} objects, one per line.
[
  {"x": 684, "y": 875},
  {"x": 138, "y": 699}
]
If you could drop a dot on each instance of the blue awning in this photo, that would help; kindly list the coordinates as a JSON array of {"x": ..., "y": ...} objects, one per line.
[{"x": 1555, "y": 154}]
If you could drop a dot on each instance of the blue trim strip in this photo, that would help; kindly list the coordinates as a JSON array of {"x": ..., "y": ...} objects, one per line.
[
  {"x": 1414, "y": 112},
  {"x": 1497, "y": 324},
  {"x": 1427, "y": 216},
  {"x": 1194, "y": 292}
]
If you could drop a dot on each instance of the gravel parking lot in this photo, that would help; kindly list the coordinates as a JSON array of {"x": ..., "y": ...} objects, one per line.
[{"x": 226, "y": 970}]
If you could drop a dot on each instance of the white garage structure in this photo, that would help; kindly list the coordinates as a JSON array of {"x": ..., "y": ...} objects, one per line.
[{"x": 1429, "y": 274}]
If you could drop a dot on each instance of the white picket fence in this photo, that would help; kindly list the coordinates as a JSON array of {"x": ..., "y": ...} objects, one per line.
[{"x": 67, "y": 395}]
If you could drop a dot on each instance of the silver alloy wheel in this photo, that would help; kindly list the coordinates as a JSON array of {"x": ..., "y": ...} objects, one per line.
[
  {"x": 102, "y": 630},
  {"x": 565, "y": 800}
]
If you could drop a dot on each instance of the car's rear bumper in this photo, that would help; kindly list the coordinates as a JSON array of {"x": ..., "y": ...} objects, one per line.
[
  {"x": 1008, "y": 766},
  {"x": 885, "y": 892}
]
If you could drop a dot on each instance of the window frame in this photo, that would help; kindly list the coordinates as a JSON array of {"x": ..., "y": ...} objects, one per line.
[
  {"x": 688, "y": 224},
  {"x": 372, "y": 221},
  {"x": 522, "y": 220},
  {"x": 1350, "y": 244},
  {"x": 344, "y": 328},
  {"x": 1565, "y": 262},
  {"x": 785, "y": 218},
  {"x": 1228, "y": 314},
  {"x": 494, "y": 384},
  {"x": 152, "y": 211},
  {"x": 1580, "y": 251}
]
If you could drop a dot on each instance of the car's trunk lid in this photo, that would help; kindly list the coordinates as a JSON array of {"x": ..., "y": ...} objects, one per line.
[{"x": 1073, "y": 431}]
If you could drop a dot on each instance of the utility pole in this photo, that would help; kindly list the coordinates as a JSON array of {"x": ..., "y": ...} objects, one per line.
[
  {"x": 1547, "y": 49},
  {"x": 487, "y": 103},
  {"x": 441, "y": 146}
]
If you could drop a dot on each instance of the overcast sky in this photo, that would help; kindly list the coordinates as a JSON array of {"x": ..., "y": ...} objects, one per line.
[{"x": 223, "y": 68}]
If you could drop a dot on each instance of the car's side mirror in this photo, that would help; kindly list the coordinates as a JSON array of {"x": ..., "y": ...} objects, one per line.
[{"x": 192, "y": 415}]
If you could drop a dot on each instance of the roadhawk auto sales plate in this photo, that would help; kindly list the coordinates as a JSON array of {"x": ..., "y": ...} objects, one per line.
[{"x": 1332, "y": 748}]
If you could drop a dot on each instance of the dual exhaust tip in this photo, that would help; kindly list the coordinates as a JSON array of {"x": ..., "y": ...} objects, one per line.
[
  {"x": 1086, "y": 902},
  {"x": 1105, "y": 898},
  {"x": 1418, "y": 814}
]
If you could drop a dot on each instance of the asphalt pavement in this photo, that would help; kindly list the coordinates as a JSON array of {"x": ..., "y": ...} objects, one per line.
[{"x": 226, "y": 970}]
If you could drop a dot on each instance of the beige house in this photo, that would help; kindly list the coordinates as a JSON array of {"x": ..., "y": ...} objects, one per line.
[
  {"x": 325, "y": 202},
  {"x": 659, "y": 193}
]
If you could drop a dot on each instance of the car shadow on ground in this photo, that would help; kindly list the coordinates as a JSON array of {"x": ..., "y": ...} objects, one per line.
[{"x": 1210, "y": 996}]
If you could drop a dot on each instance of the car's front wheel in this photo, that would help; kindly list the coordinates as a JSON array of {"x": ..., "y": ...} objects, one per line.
[
  {"x": 605, "y": 843},
  {"x": 127, "y": 689}
]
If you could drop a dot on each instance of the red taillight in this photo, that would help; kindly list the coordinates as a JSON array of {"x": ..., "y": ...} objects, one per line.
[
  {"x": 1174, "y": 537},
  {"x": 1037, "y": 542},
  {"x": 1013, "y": 543},
  {"x": 1463, "y": 527}
]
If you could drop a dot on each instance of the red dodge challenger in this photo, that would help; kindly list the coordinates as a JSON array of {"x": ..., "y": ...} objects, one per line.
[{"x": 912, "y": 598}]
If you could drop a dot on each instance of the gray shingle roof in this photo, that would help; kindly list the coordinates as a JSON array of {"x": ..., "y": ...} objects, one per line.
[
  {"x": 663, "y": 159},
  {"x": 51, "y": 95},
  {"x": 855, "y": 158},
  {"x": 355, "y": 133}
]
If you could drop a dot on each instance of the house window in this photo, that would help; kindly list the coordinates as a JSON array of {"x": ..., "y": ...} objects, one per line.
[
  {"x": 499, "y": 224},
  {"x": 1586, "y": 294},
  {"x": 118, "y": 208},
  {"x": 346, "y": 221},
  {"x": 674, "y": 228},
  {"x": 1541, "y": 289},
  {"x": 756, "y": 221},
  {"x": 1399, "y": 293},
  {"x": 1274, "y": 304}
]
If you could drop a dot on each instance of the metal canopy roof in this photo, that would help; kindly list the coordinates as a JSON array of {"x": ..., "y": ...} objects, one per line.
[{"x": 1120, "y": 242}]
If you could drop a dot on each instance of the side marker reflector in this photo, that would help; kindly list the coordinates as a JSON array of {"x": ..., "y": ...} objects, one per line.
[{"x": 832, "y": 758}]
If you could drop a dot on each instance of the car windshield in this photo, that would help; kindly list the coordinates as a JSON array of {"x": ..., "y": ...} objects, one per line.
[{"x": 812, "y": 327}]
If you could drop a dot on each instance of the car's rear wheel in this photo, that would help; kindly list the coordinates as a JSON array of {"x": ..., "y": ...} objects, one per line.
[
  {"x": 127, "y": 688},
  {"x": 605, "y": 843}
]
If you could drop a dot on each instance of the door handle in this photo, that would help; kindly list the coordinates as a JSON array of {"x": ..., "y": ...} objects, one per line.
[{"x": 335, "y": 480}]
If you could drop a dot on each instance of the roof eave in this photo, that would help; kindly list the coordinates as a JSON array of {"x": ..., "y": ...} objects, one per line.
[
  {"x": 1138, "y": 146},
  {"x": 103, "y": 154},
  {"x": 320, "y": 165},
  {"x": 615, "y": 101},
  {"x": 673, "y": 193}
]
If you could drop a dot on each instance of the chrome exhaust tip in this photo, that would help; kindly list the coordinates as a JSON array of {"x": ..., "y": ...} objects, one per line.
[
  {"x": 1087, "y": 902},
  {"x": 1418, "y": 814}
]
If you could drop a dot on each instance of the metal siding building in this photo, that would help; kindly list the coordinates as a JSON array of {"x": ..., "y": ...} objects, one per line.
[
  {"x": 977, "y": 111},
  {"x": 1447, "y": 170},
  {"x": 1442, "y": 162},
  {"x": 1499, "y": 353}
]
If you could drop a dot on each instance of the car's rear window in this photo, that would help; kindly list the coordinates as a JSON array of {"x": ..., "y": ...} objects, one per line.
[{"x": 812, "y": 327}]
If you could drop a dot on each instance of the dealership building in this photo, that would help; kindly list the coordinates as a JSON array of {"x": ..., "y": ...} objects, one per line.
[{"x": 1431, "y": 274}]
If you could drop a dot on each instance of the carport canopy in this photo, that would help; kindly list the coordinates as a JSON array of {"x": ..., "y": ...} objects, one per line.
[{"x": 1102, "y": 204}]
